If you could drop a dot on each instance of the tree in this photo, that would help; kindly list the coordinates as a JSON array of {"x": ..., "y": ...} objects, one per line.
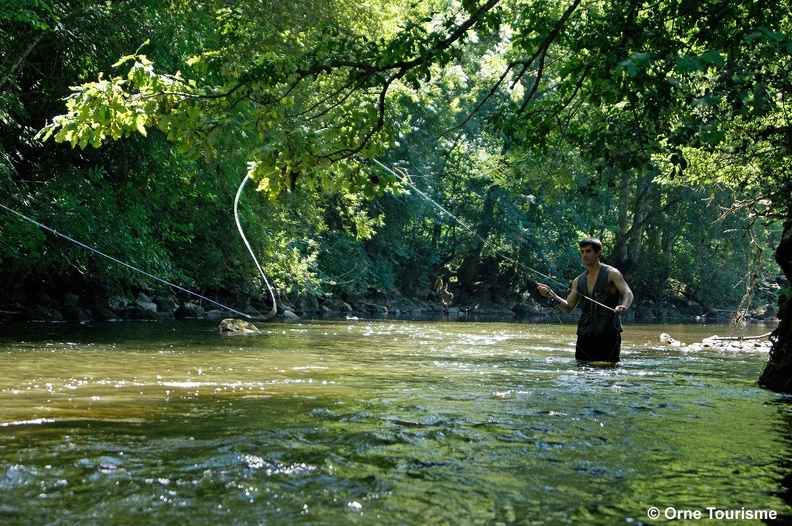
[
  {"x": 135, "y": 199},
  {"x": 46, "y": 46},
  {"x": 631, "y": 90}
]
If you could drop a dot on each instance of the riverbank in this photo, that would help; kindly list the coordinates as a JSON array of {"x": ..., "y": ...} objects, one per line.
[{"x": 163, "y": 305}]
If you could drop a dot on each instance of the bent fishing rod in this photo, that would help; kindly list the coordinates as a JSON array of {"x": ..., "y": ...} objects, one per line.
[{"x": 404, "y": 178}]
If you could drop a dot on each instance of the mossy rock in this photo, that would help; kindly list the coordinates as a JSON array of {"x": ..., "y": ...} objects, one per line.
[{"x": 236, "y": 325}]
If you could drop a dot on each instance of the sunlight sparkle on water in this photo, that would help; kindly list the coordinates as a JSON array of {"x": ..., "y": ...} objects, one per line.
[{"x": 411, "y": 422}]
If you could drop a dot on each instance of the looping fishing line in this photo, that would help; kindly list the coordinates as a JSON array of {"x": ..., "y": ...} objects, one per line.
[
  {"x": 149, "y": 275},
  {"x": 404, "y": 178},
  {"x": 274, "y": 309}
]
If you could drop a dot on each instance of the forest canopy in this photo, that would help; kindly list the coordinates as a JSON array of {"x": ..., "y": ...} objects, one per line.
[{"x": 661, "y": 127}]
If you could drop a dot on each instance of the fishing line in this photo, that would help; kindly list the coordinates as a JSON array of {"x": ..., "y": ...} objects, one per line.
[
  {"x": 403, "y": 177},
  {"x": 274, "y": 309},
  {"x": 127, "y": 265}
]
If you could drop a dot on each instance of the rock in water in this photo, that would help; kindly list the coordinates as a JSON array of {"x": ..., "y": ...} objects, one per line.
[{"x": 235, "y": 325}]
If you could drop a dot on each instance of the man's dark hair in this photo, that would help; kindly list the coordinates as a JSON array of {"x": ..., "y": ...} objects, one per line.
[{"x": 592, "y": 242}]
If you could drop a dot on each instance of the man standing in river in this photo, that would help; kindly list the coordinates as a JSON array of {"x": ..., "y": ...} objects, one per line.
[{"x": 603, "y": 296}]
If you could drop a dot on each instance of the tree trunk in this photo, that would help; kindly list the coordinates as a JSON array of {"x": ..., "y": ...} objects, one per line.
[
  {"x": 777, "y": 375},
  {"x": 625, "y": 193},
  {"x": 470, "y": 270},
  {"x": 636, "y": 206}
]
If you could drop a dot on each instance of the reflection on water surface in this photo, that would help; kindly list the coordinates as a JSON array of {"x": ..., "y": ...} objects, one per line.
[{"x": 386, "y": 422}]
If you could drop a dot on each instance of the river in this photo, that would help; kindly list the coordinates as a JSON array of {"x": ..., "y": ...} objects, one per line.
[{"x": 383, "y": 422}]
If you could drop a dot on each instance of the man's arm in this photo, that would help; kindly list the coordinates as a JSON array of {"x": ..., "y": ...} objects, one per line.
[
  {"x": 616, "y": 280},
  {"x": 566, "y": 305}
]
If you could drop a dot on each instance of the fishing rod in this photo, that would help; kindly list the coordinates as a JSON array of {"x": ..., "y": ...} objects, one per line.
[
  {"x": 127, "y": 265},
  {"x": 404, "y": 178}
]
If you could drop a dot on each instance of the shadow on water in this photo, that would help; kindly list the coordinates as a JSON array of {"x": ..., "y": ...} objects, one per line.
[{"x": 784, "y": 455}]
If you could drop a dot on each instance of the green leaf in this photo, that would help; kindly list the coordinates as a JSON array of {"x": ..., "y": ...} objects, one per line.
[
  {"x": 140, "y": 123},
  {"x": 715, "y": 57},
  {"x": 688, "y": 64},
  {"x": 124, "y": 60}
]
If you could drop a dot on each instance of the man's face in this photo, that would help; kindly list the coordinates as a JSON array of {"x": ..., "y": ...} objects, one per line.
[{"x": 588, "y": 255}]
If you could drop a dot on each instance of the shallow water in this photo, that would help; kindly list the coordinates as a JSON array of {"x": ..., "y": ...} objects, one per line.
[{"x": 382, "y": 422}]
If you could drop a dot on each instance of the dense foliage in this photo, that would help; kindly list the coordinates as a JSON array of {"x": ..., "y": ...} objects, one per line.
[{"x": 506, "y": 131}]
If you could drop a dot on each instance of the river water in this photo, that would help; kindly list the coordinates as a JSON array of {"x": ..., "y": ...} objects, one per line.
[{"x": 383, "y": 422}]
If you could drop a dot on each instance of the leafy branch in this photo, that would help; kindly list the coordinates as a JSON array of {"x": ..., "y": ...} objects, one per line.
[{"x": 308, "y": 112}]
